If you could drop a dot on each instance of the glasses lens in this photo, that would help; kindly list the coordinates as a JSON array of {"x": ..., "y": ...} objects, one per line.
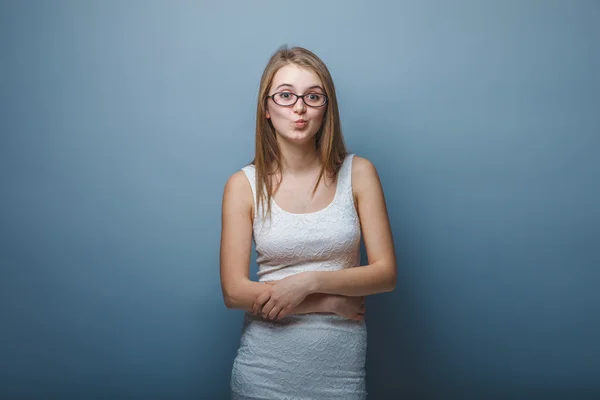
[
  {"x": 284, "y": 98},
  {"x": 315, "y": 99}
]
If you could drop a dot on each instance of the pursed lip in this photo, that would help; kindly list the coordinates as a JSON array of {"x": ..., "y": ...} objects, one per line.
[{"x": 300, "y": 120}]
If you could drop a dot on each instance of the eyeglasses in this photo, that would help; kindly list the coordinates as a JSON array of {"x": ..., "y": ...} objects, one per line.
[{"x": 287, "y": 99}]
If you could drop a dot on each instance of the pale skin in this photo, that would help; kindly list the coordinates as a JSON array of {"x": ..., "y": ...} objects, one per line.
[{"x": 340, "y": 292}]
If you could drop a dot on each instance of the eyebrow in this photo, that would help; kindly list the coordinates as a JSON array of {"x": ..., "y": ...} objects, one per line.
[{"x": 292, "y": 86}]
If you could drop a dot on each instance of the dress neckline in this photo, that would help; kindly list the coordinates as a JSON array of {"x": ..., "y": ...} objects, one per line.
[
  {"x": 328, "y": 206},
  {"x": 339, "y": 180}
]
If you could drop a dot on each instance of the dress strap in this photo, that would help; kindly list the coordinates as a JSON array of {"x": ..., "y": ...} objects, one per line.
[
  {"x": 345, "y": 176},
  {"x": 250, "y": 172}
]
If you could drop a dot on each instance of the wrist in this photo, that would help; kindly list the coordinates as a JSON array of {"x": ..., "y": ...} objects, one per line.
[{"x": 312, "y": 282}]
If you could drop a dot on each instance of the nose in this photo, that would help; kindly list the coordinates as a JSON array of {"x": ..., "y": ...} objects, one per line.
[{"x": 299, "y": 107}]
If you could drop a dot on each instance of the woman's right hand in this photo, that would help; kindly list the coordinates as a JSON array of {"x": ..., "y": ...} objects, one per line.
[{"x": 351, "y": 307}]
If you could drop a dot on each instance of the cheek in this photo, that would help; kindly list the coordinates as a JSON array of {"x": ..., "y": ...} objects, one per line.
[
  {"x": 278, "y": 114},
  {"x": 318, "y": 115}
]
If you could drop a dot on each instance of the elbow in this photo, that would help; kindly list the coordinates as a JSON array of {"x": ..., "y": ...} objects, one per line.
[
  {"x": 393, "y": 278},
  {"x": 233, "y": 294},
  {"x": 234, "y": 303},
  {"x": 228, "y": 301},
  {"x": 231, "y": 301},
  {"x": 388, "y": 276},
  {"x": 392, "y": 285},
  {"x": 228, "y": 298}
]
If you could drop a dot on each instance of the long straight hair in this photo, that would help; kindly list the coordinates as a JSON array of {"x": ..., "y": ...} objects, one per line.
[{"x": 329, "y": 140}]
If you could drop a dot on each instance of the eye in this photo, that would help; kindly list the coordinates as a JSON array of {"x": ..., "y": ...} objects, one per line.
[
  {"x": 314, "y": 97},
  {"x": 285, "y": 95}
]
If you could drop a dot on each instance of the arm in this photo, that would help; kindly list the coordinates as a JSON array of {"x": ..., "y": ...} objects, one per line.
[
  {"x": 238, "y": 290},
  {"x": 314, "y": 303},
  {"x": 380, "y": 275}
]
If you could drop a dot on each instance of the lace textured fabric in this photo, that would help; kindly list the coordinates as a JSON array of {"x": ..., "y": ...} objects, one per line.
[{"x": 310, "y": 356}]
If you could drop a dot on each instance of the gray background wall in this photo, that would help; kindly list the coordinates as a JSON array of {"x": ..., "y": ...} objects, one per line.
[{"x": 121, "y": 121}]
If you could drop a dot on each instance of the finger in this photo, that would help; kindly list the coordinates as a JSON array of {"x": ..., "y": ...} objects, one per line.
[
  {"x": 255, "y": 304},
  {"x": 267, "y": 308},
  {"x": 274, "y": 311},
  {"x": 284, "y": 312},
  {"x": 260, "y": 301}
]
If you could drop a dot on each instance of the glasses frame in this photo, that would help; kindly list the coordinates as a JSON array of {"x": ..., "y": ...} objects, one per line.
[{"x": 272, "y": 97}]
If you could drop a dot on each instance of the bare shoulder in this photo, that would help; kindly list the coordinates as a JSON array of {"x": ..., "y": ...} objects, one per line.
[
  {"x": 238, "y": 182},
  {"x": 364, "y": 175},
  {"x": 238, "y": 192},
  {"x": 361, "y": 165}
]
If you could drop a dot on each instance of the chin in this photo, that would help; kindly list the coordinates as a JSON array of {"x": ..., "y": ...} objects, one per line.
[{"x": 299, "y": 137}]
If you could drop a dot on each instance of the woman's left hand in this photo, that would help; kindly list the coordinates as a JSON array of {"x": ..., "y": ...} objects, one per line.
[{"x": 282, "y": 296}]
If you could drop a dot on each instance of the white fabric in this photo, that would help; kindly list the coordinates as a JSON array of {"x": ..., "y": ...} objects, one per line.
[{"x": 311, "y": 356}]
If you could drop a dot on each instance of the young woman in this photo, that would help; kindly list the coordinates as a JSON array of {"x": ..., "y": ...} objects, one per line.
[{"x": 304, "y": 201}]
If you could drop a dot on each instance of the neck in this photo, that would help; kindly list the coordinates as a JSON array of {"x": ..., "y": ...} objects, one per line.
[{"x": 298, "y": 158}]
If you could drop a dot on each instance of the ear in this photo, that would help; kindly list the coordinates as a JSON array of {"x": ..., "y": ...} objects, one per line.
[{"x": 267, "y": 113}]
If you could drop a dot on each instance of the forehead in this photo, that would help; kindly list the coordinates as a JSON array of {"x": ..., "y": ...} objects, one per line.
[{"x": 296, "y": 76}]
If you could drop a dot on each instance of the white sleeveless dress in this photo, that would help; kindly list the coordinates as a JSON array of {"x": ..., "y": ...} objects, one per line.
[{"x": 306, "y": 356}]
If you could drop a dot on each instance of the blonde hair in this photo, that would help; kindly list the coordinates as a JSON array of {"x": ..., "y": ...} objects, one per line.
[{"x": 329, "y": 140}]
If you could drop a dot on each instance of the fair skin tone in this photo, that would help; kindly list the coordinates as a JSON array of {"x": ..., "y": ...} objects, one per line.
[{"x": 341, "y": 292}]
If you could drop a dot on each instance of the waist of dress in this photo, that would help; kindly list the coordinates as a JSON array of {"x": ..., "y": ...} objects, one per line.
[{"x": 311, "y": 320}]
